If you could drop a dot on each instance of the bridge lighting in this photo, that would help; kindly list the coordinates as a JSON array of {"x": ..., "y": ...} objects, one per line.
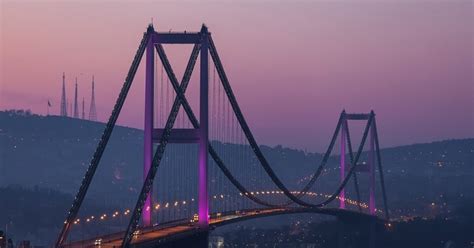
[
  {"x": 195, "y": 218},
  {"x": 98, "y": 242},
  {"x": 222, "y": 196},
  {"x": 136, "y": 233}
]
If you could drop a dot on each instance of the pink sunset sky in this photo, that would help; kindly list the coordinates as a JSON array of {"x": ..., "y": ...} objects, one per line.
[{"x": 293, "y": 65}]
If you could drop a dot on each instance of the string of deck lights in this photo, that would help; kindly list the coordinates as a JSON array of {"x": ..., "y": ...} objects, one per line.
[{"x": 168, "y": 205}]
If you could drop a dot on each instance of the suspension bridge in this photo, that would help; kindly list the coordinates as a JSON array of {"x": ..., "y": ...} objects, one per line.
[{"x": 207, "y": 170}]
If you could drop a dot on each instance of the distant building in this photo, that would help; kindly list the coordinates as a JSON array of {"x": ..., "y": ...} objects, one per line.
[
  {"x": 5, "y": 242},
  {"x": 216, "y": 242},
  {"x": 24, "y": 244}
]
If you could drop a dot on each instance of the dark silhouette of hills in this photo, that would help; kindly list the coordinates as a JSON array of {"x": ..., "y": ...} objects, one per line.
[
  {"x": 54, "y": 152},
  {"x": 43, "y": 160}
]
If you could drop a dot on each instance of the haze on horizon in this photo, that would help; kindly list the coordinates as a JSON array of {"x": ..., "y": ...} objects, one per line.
[{"x": 292, "y": 65}]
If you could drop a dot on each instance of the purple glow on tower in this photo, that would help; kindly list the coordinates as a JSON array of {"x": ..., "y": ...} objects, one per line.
[
  {"x": 148, "y": 132},
  {"x": 342, "y": 195},
  {"x": 203, "y": 133}
]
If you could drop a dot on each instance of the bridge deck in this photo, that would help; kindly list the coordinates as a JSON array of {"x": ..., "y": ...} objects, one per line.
[{"x": 181, "y": 229}]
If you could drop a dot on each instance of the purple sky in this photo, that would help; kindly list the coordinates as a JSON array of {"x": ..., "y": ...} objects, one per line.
[{"x": 293, "y": 65}]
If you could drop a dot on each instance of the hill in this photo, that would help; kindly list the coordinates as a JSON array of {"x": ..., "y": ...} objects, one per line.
[{"x": 54, "y": 152}]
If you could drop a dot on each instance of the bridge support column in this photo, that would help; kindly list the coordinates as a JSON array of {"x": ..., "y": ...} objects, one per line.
[
  {"x": 148, "y": 129},
  {"x": 372, "y": 171},
  {"x": 203, "y": 132},
  {"x": 342, "y": 195}
]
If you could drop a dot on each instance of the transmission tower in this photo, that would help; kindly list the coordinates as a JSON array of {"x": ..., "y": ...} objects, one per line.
[
  {"x": 76, "y": 107},
  {"x": 83, "y": 111},
  {"x": 92, "y": 110},
  {"x": 63, "y": 111}
]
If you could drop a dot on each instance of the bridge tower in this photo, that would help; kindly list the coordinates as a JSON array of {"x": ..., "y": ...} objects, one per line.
[
  {"x": 199, "y": 135},
  {"x": 369, "y": 167}
]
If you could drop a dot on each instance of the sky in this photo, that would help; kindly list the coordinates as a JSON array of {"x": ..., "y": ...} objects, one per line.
[{"x": 293, "y": 65}]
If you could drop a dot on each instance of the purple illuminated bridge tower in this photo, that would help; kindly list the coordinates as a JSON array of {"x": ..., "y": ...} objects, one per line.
[{"x": 199, "y": 135}]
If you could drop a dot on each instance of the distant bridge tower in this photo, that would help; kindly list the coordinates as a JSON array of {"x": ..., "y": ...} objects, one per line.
[
  {"x": 92, "y": 110},
  {"x": 63, "y": 111},
  {"x": 373, "y": 160},
  {"x": 76, "y": 107}
]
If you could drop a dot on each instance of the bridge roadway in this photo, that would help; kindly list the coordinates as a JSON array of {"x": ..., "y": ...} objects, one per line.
[{"x": 184, "y": 228}]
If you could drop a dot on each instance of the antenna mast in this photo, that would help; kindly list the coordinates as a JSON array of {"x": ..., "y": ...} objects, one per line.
[
  {"x": 76, "y": 108},
  {"x": 92, "y": 110},
  {"x": 63, "y": 111}
]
